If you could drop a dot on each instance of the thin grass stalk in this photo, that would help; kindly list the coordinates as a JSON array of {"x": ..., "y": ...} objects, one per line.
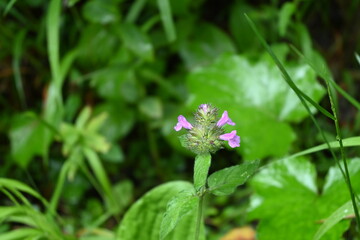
[
  {"x": 288, "y": 80},
  {"x": 342, "y": 152}
]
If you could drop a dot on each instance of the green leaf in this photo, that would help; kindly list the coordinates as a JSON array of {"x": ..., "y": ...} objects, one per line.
[
  {"x": 338, "y": 215},
  {"x": 357, "y": 58},
  {"x": 14, "y": 184},
  {"x": 201, "y": 170},
  {"x": 203, "y": 45},
  {"x": 28, "y": 138},
  {"x": 176, "y": 209},
  {"x": 21, "y": 233},
  {"x": 289, "y": 205},
  {"x": 347, "y": 142},
  {"x": 287, "y": 10},
  {"x": 101, "y": 11},
  {"x": 120, "y": 120},
  {"x": 225, "y": 181},
  {"x": 144, "y": 218},
  {"x": 256, "y": 98},
  {"x": 151, "y": 107},
  {"x": 103, "y": 43},
  {"x": 300, "y": 94},
  {"x": 137, "y": 41}
]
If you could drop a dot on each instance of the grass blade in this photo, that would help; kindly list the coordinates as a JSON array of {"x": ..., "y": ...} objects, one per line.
[
  {"x": 166, "y": 18},
  {"x": 327, "y": 77},
  {"x": 135, "y": 10},
  {"x": 357, "y": 58},
  {"x": 341, "y": 213},
  {"x": 347, "y": 142},
  {"x": 285, "y": 74},
  {"x": 9, "y": 6},
  {"x": 52, "y": 31}
]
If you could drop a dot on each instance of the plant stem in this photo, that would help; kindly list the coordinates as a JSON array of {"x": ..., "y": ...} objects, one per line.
[
  {"x": 346, "y": 172},
  {"x": 199, "y": 218}
]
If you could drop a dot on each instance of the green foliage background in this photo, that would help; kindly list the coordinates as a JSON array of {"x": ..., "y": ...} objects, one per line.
[{"x": 90, "y": 91}]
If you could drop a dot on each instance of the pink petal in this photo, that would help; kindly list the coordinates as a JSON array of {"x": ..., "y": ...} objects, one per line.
[
  {"x": 235, "y": 142},
  {"x": 224, "y": 120},
  {"x": 228, "y": 136},
  {"x": 182, "y": 123}
]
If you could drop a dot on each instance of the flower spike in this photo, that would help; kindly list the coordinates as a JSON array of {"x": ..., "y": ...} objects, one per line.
[
  {"x": 182, "y": 123},
  {"x": 225, "y": 120},
  {"x": 232, "y": 138}
]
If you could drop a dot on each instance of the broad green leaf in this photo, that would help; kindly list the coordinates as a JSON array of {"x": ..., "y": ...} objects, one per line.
[
  {"x": 257, "y": 99},
  {"x": 203, "y": 45},
  {"x": 28, "y": 138},
  {"x": 101, "y": 11},
  {"x": 289, "y": 205},
  {"x": 287, "y": 10},
  {"x": 201, "y": 170},
  {"x": 176, "y": 209},
  {"x": 225, "y": 181},
  {"x": 341, "y": 213},
  {"x": 143, "y": 219},
  {"x": 137, "y": 41}
]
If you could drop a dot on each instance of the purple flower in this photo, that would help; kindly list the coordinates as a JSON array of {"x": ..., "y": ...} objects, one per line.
[
  {"x": 204, "y": 107},
  {"x": 225, "y": 120},
  {"x": 232, "y": 138},
  {"x": 182, "y": 123}
]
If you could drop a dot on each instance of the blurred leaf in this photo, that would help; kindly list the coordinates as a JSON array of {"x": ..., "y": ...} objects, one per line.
[
  {"x": 101, "y": 11},
  {"x": 114, "y": 155},
  {"x": 286, "y": 192},
  {"x": 286, "y": 11},
  {"x": 205, "y": 44},
  {"x": 22, "y": 233},
  {"x": 102, "y": 41},
  {"x": 201, "y": 169},
  {"x": 27, "y": 137},
  {"x": 240, "y": 29},
  {"x": 8, "y": 7},
  {"x": 117, "y": 83},
  {"x": 143, "y": 219},
  {"x": 151, "y": 107},
  {"x": 257, "y": 99},
  {"x": 225, "y": 181},
  {"x": 123, "y": 192},
  {"x": 119, "y": 122},
  {"x": 137, "y": 41},
  {"x": 357, "y": 58},
  {"x": 176, "y": 209},
  {"x": 83, "y": 117}
]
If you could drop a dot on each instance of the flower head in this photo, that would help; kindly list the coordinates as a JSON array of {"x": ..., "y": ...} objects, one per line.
[
  {"x": 224, "y": 120},
  {"x": 207, "y": 134},
  {"x": 182, "y": 123},
  {"x": 232, "y": 138}
]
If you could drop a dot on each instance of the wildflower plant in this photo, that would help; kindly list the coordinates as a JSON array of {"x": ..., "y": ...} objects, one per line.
[{"x": 205, "y": 136}]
